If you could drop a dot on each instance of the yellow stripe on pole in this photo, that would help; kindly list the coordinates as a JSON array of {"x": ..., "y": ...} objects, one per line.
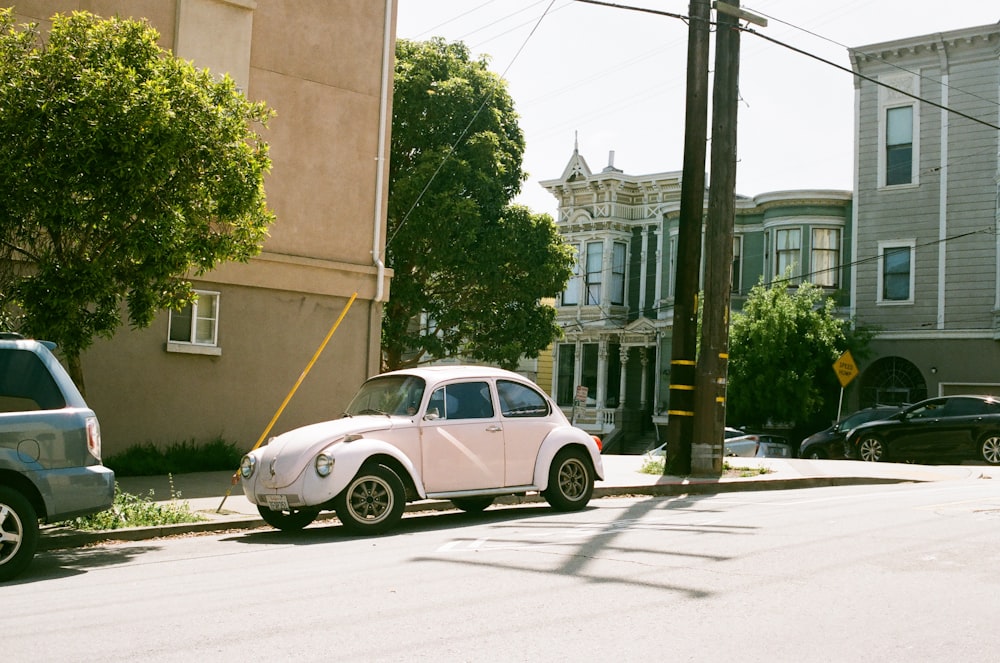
[{"x": 295, "y": 387}]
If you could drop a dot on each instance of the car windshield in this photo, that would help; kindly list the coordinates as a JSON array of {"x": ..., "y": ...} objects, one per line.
[{"x": 393, "y": 394}]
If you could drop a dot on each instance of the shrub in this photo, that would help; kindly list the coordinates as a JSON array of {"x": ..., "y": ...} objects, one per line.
[{"x": 146, "y": 459}]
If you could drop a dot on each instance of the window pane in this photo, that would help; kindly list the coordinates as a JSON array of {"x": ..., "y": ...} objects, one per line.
[
  {"x": 618, "y": 274},
  {"x": 826, "y": 257},
  {"x": 205, "y": 331},
  {"x": 589, "y": 376},
  {"x": 898, "y": 165},
  {"x": 595, "y": 263},
  {"x": 899, "y": 145},
  {"x": 180, "y": 325},
  {"x": 468, "y": 400},
  {"x": 788, "y": 242},
  {"x": 517, "y": 400},
  {"x": 899, "y": 126},
  {"x": 205, "y": 313},
  {"x": 896, "y": 274},
  {"x": 572, "y": 293},
  {"x": 564, "y": 385},
  {"x": 735, "y": 272}
]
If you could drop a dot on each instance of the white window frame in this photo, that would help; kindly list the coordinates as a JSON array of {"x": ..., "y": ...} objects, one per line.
[
  {"x": 618, "y": 279},
  {"x": 895, "y": 244},
  {"x": 835, "y": 270},
  {"x": 571, "y": 295},
  {"x": 888, "y": 99},
  {"x": 796, "y": 264},
  {"x": 593, "y": 281},
  {"x": 194, "y": 345}
]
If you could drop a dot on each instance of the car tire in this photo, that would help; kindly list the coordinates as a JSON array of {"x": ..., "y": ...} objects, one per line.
[
  {"x": 372, "y": 502},
  {"x": 472, "y": 504},
  {"x": 571, "y": 481},
  {"x": 989, "y": 449},
  {"x": 816, "y": 454},
  {"x": 288, "y": 521},
  {"x": 871, "y": 448},
  {"x": 18, "y": 533}
]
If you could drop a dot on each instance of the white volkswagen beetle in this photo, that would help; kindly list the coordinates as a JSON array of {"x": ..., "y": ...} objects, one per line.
[{"x": 462, "y": 433}]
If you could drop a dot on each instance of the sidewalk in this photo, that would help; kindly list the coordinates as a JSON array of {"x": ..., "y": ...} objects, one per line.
[{"x": 206, "y": 492}]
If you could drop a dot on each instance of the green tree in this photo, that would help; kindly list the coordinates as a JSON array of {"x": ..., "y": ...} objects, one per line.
[
  {"x": 470, "y": 268},
  {"x": 782, "y": 347},
  {"x": 125, "y": 170}
]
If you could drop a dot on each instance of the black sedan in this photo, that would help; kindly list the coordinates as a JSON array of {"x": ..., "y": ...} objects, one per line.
[
  {"x": 938, "y": 429},
  {"x": 829, "y": 442}
]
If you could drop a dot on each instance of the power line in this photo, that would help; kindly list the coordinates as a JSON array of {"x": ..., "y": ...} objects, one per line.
[
  {"x": 866, "y": 78},
  {"x": 879, "y": 58}
]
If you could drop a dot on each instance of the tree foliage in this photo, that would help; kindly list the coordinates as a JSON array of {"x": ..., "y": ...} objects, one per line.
[
  {"x": 125, "y": 169},
  {"x": 782, "y": 348},
  {"x": 467, "y": 263}
]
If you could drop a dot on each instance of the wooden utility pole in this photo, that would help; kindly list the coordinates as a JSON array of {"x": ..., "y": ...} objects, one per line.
[
  {"x": 713, "y": 360},
  {"x": 680, "y": 424}
]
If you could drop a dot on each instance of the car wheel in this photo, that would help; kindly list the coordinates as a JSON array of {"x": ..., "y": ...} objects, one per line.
[
  {"x": 472, "y": 504},
  {"x": 373, "y": 502},
  {"x": 571, "y": 481},
  {"x": 989, "y": 449},
  {"x": 288, "y": 521},
  {"x": 871, "y": 449},
  {"x": 18, "y": 532},
  {"x": 816, "y": 454}
]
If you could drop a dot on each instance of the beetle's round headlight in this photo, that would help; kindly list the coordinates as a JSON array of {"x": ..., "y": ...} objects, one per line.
[
  {"x": 324, "y": 465},
  {"x": 247, "y": 465}
]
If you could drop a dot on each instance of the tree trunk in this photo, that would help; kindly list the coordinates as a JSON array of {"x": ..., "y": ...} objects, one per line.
[{"x": 75, "y": 369}]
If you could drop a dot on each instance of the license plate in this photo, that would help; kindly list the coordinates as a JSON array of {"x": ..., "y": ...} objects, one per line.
[{"x": 277, "y": 502}]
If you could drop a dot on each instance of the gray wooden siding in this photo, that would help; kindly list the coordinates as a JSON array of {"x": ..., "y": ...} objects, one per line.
[{"x": 913, "y": 212}]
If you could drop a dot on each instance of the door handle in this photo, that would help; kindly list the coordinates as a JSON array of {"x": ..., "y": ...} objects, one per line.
[{"x": 493, "y": 429}]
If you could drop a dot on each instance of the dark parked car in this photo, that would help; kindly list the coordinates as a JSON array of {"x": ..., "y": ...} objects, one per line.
[
  {"x": 829, "y": 443},
  {"x": 938, "y": 429}
]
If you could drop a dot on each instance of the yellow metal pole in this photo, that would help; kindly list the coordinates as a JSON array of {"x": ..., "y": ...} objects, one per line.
[{"x": 305, "y": 372}]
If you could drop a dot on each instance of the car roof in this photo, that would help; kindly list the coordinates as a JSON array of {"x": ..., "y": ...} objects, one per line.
[{"x": 439, "y": 373}]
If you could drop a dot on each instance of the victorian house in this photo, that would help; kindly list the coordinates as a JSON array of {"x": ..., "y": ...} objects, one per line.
[{"x": 617, "y": 311}]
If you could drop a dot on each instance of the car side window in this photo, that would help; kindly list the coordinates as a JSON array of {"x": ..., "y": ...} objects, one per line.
[
  {"x": 518, "y": 400},
  {"x": 462, "y": 400},
  {"x": 928, "y": 411},
  {"x": 26, "y": 384},
  {"x": 963, "y": 407}
]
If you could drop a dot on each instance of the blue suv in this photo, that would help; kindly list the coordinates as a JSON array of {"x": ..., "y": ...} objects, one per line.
[{"x": 50, "y": 450}]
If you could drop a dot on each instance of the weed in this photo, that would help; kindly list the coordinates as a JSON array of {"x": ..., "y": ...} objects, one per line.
[
  {"x": 655, "y": 466},
  {"x": 129, "y": 510}
]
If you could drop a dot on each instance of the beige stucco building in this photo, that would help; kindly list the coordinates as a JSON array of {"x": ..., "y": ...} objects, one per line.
[{"x": 224, "y": 367}]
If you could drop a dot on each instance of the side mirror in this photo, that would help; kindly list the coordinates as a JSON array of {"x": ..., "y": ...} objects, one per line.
[{"x": 432, "y": 414}]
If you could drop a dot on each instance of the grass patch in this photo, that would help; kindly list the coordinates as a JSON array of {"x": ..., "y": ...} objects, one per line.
[
  {"x": 129, "y": 510},
  {"x": 655, "y": 466},
  {"x": 143, "y": 460}
]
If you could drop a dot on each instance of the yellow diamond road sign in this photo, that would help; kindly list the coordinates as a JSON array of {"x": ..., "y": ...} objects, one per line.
[{"x": 846, "y": 369}]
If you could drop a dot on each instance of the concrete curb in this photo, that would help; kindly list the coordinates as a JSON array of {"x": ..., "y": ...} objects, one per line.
[{"x": 62, "y": 538}]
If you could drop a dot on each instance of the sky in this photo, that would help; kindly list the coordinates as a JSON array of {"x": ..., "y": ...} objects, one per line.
[{"x": 610, "y": 79}]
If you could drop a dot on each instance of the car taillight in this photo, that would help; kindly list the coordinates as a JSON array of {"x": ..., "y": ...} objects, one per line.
[
  {"x": 597, "y": 441},
  {"x": 94, "y": 437}
]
